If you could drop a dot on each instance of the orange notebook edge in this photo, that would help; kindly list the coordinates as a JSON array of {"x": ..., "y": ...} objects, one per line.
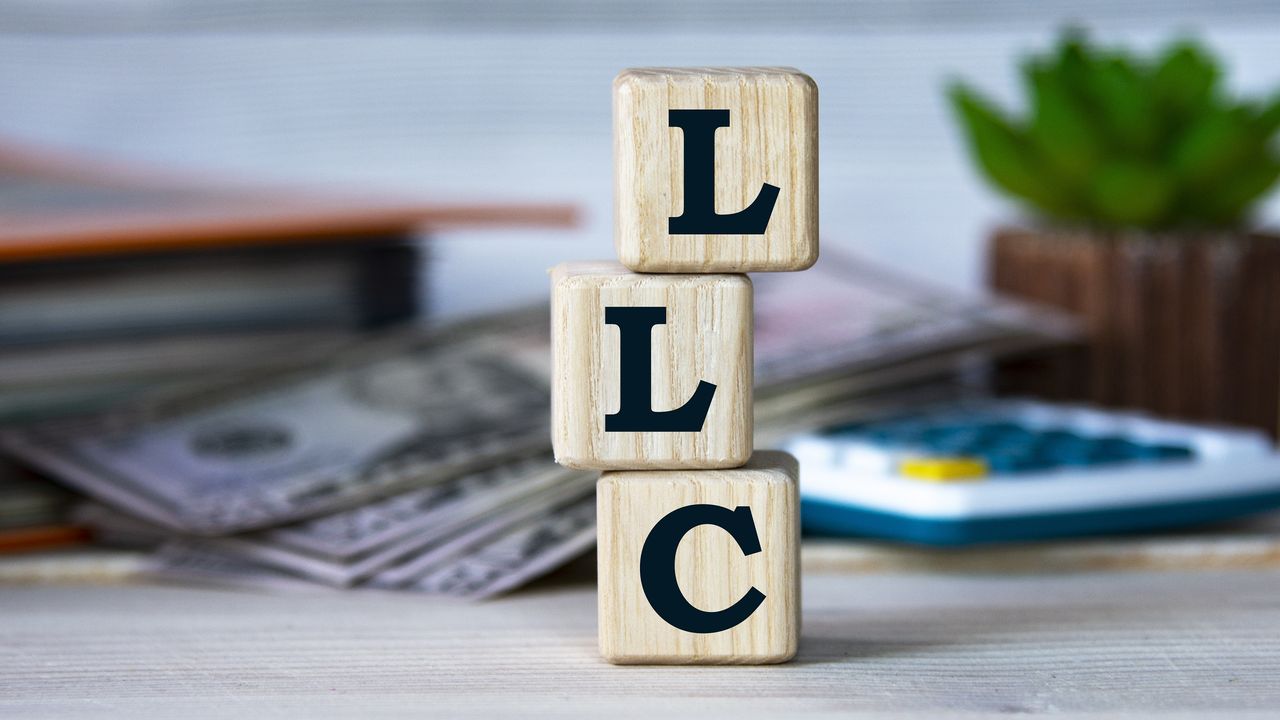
[{"x": 191, "y": 213}]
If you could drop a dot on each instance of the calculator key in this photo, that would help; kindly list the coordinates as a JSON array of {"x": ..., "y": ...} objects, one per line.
[
  {"x": 958, "y": 444},
  {"x": 1167, "y": 452},
  {"x": 894, "y": 435},
  {"x": 1006, "y": 428},
  {"x": 1082, "y": 456},
  {"x": 943, "y": 469},
  {"x": 1060, "y": 438},
  {"x": 1115, "y": 449},
  {"x": 1012, "y": 461}
]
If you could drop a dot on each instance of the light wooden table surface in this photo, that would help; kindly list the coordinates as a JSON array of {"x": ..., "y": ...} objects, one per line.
[{"x": 1163, "y": 643}]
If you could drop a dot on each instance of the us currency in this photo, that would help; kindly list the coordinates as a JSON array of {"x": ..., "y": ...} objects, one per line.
[
  {"x": 407, "y": 411},
  {"x": 845, "y": 317},
  {"x": 117, "y": 529},
  {"x": 534, "y": 548},
  {"x": 180, "y": 560},
  {"x": 45, "y": 380},
  {"x": 575, "y": 487},
  {"x": 489, "y": 560},
  {"x": 412, "y": 413},
  {"x": 350, "y": 533},
  {"x": 485, "y": 502}
]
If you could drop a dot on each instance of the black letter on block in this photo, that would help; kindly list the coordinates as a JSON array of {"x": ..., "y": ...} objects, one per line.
[
  {"x": 699, "y": 217},
  {"x": 635, "y": 370},
  {"x": 658, "y": 567}
]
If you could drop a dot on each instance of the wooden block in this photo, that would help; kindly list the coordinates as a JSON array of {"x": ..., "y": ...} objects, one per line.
[
  {"x": 717, "y": 567},
  {"x": 668, "y": 124},
  {"x": 683, "y": 333}
]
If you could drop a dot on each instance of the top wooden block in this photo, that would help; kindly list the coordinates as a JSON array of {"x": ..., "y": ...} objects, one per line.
[{"x": 761, "y": 127}]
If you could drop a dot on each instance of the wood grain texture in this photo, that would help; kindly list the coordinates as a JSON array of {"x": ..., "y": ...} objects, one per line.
[
  {"x": 707, "y": 336},
  {"x": 772, "y": 138},
  {"x": 1185, "y": 326},
  {"x": 710, "y": 567},
  {"x": 904, "y": 645}
]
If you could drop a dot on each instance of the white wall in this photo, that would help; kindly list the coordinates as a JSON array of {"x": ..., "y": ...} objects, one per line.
[{"x": 509, "y": 100}]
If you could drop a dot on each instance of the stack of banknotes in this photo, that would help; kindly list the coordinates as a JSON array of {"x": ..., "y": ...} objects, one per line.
[{"x": 420, "y": 460}]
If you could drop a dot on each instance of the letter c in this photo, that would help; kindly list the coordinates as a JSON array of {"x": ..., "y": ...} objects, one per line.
[{"x": 658, "y": 567}]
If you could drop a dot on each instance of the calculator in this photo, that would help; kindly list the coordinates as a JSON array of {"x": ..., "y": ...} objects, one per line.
[{"x": 1016, "y": 470}]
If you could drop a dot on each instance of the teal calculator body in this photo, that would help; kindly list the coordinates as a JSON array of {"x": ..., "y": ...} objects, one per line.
[{"x": 1006, "y": 471}]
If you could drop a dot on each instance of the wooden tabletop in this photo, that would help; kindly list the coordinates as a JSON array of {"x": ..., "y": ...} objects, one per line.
[{"x": 1166, "y": 643}]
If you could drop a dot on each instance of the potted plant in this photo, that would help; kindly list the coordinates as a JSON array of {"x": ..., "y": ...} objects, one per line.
[{"x": 1142, "y": 175}]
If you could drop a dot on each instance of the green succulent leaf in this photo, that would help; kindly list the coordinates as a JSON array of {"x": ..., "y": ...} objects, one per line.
[
  {"x": 1184, "y": 81},
  {"x": 1127, "y": 193},
  {"x": 1229, "y": 203},
  {"x": 1213, "y": 148},
  {"x": 1060, "y": 126},
  {"x": 1124, "y": 105},
  {"x": 1114, "y": 139},
  {"x": 1075, "y": 65},
  {"x": 1269, "y": 119},
  {"x": 1003, "y": 151}
]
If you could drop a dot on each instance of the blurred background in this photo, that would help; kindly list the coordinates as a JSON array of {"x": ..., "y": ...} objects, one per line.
[
  {"x": 510, "y": 100},
  {"x": 311, "y": 196}
]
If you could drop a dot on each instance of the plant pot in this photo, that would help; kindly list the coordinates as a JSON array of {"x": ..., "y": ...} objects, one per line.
[{"x": 1185, "y": 326}]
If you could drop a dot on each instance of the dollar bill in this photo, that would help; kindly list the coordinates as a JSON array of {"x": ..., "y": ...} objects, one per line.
[
  {"x": 180, "y": 560},
  {"x": 477, "y": 565},
  {"x": 844, "y": 317},
  {"x": 528, "y": 551},
  {"x": 348, "y": 534},
  {"x": 404, "y": 412},
  {"x": 418, "y": 538},
  {"x": 118, "y": 529},
  {"x": 578, "y": 487}
]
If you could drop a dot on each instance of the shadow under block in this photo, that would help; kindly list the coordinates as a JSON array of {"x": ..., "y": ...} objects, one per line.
[
  {"x": 771, "y": 137},
  {"x": 712, "y": 572},
  {"x": 706, "y": 338}
]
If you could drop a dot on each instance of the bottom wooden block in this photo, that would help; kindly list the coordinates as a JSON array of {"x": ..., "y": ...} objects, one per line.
[{"x": 700, "y": 566}]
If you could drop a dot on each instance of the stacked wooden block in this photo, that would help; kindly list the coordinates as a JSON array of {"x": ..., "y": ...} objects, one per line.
[{"x": 715, "y": 176}]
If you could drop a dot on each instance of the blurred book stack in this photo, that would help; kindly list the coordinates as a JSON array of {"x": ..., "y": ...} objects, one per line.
[
  {"x": 115, "y": 280},
  {"x": 34, "y": 512},
  {"x": 419, "y": 459}
]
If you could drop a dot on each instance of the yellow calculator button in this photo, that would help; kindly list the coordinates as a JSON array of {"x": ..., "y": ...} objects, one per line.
[{"x": 943, "y": 469}]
